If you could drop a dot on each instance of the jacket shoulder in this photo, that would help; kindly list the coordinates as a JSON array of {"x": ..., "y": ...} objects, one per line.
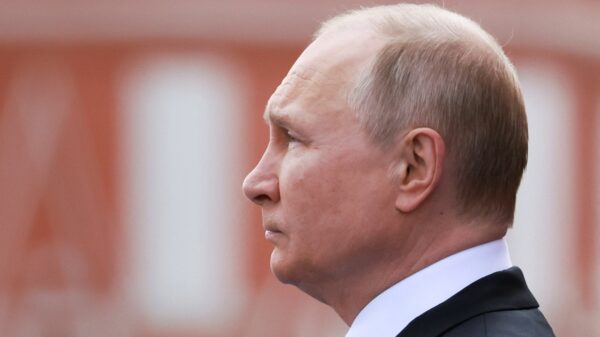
[{"x": 508, "y": 323}]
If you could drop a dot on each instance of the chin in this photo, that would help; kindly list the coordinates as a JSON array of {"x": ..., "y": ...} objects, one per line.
[
  {"x": 290, "y": 268},
  {"x": 298, "y": 275},
  {"x": 280, "y": 267}
]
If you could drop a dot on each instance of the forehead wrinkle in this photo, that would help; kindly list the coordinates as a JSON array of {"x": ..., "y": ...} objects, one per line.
[
  {"x": 292, "y": 87},
  {"x": 296, "y": 83},
  {"x": 316, "y": 78}
]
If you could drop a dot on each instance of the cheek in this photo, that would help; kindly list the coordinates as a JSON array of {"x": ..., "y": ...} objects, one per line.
[
  {"x": 311, "y": 184},
  {"x": 324, "y": 196},
  {"x": 332, "y": 211}
]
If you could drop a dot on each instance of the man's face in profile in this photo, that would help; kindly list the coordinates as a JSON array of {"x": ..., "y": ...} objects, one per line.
[{"x": 325, "y": 188}]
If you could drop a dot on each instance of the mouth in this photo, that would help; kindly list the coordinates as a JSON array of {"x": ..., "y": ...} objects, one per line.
[{"x": 272, "y": 233}]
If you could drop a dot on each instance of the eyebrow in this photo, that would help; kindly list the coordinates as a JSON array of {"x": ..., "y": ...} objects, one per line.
[
  {"x": 276, "y": 118},
  {"x": 266, "y": 114},
  {"x": 280, "y": 120}
]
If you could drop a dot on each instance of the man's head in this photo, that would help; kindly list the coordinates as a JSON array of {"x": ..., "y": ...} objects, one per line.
[
  {"x": 397, "y": 138},
  {"x": 440, "y": 70}
]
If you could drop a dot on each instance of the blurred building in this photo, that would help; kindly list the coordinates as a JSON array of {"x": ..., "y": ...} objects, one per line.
[{"x": 126, "y": 129}]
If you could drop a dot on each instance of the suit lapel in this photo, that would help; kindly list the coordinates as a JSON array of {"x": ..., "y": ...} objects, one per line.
[{"x": 499, "y": 291}]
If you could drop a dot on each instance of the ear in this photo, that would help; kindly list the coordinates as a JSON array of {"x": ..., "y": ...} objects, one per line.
[{"x": 419, "y": 169}]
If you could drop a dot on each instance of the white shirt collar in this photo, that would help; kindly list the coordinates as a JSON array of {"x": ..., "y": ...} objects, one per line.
[{"x": 391, "y": 311}]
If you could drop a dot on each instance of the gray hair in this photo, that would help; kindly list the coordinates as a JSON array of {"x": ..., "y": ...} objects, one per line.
[{"x": 440, "y": 70}]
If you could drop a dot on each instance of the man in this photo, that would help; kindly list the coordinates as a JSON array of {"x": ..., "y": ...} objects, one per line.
[{"x": 397, "y": 144}]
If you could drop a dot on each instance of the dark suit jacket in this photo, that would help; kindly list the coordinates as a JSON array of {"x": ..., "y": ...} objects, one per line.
[{"x": 498, "y": 305}]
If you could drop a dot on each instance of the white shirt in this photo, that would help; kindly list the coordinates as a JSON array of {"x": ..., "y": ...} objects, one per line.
[{"x": 391, "y": 311}]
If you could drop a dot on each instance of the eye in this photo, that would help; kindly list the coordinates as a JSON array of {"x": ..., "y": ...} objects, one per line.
[
  {"x": 287, "y": 137},
  {"x": 290, "y": 137}
]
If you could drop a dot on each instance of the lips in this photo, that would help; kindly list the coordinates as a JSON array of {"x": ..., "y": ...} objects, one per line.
[
  {"x": 271, "y": 235},
  {"x": 272, "y": 232}
]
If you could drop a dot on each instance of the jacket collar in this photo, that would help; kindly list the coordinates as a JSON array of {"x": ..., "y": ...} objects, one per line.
[{"x": 502, "y": 290}]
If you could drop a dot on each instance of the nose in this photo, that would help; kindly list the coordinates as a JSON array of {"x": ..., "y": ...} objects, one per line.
[{"x": 261, "y": 185}]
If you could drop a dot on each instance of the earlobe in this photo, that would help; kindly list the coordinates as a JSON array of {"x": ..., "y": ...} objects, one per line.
[{"x": 419, "y": 167}]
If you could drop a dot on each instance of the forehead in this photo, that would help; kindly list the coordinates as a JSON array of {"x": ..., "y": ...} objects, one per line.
[{"x": 324, "y": 72}]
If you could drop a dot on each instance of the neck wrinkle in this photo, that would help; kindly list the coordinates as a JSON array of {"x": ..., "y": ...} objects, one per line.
[{"x": 426, "y": 250}]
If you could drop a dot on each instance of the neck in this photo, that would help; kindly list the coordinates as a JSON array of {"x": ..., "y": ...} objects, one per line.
[{"x": 349, "y": 294}]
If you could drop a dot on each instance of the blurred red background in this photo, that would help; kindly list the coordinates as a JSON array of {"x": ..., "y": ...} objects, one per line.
[{"x": 126, "y": 129}]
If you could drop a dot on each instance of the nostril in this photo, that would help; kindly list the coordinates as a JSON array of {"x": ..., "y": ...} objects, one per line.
[{"x": 261, "y": 199}]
